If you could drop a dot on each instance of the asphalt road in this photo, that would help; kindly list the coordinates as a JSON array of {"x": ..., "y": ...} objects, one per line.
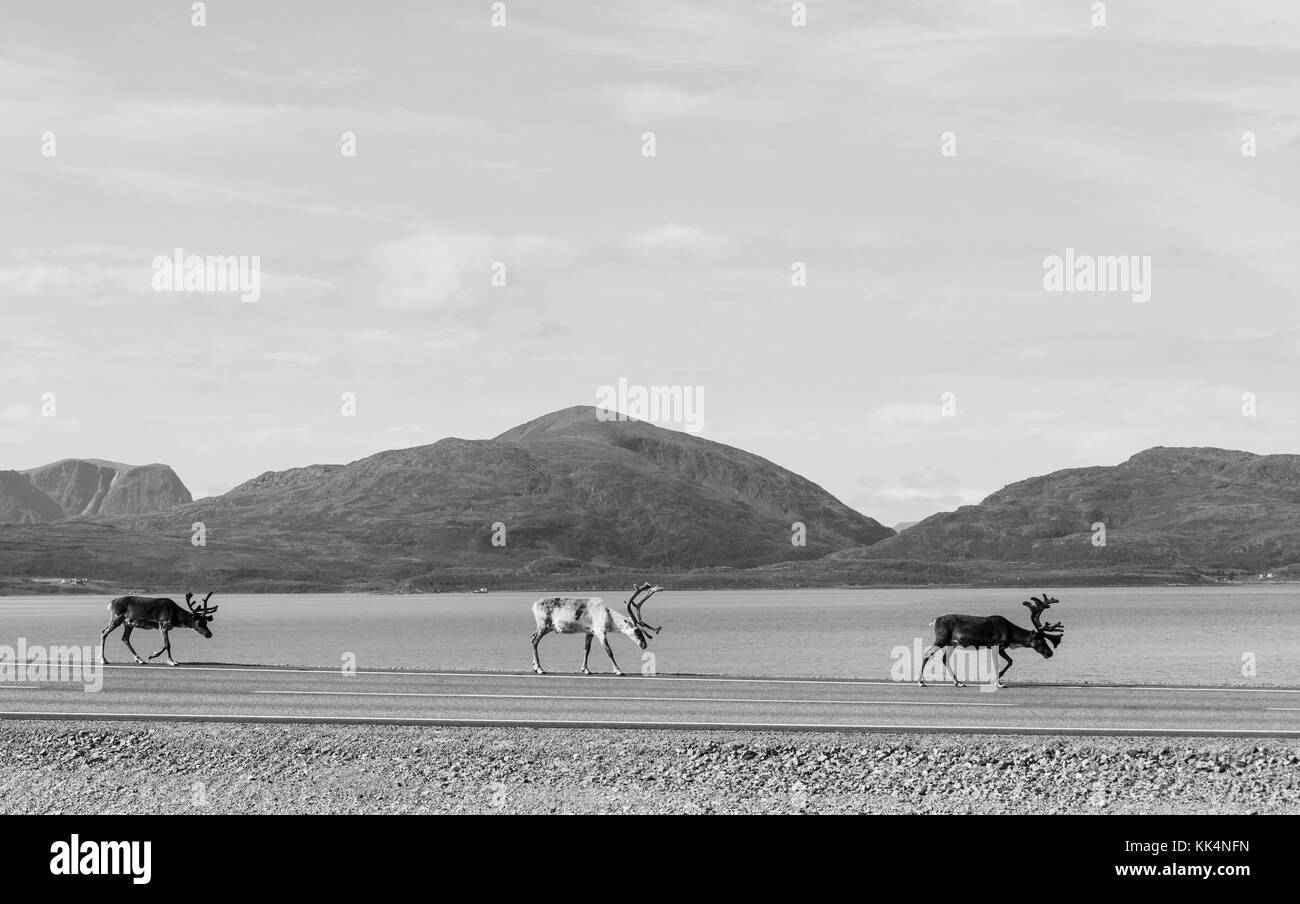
[{"x": 215, "y": 692}]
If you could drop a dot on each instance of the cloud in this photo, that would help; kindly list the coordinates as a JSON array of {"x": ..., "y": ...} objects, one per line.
[
  {"x": 183, "y": 119},
  {"x": 214, "y": 489},
  {"x": 133, "y": 182},
  {"x": 292, "y": 357},
  {"x": 906, "y": 415},
  {"x": 660, "y": 103},
  {"x": 278, "y": 286},
  {"x": 672, "y": 240},
  {"x": 435, "y": 269},
  {"x": 50, "y": 279},
  {"x": 121, "y": 272},
  {"x": 916, "y": 495}
]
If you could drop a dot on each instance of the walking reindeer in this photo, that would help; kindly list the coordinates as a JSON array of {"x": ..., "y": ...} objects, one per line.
[
  {"x": 149, "y": 613},
  {"x": 590, "y": 615},
  {"x": 992, "y": 631}
]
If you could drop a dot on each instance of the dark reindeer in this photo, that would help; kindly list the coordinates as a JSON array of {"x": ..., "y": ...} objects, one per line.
[
  {"x": 992, "y": 631},
  {"x": 149, "y": 613}
]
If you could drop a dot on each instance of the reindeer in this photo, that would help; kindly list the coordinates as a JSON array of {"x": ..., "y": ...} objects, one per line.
[
  {"x": 590, "y": 616},
  {"x": 992, "y": 631},
  {"x": 149, "y": 613}
]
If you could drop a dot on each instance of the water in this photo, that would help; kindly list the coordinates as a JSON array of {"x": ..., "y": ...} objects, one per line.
[{"x": 1171, "y": 635}]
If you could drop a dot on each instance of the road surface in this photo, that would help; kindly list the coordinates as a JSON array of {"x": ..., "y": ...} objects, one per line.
[{"x": 215, "y": 692}]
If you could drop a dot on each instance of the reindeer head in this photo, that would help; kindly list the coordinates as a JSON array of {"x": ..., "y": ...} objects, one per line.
[
  {"x": 201, "y": 614},
  {"x": 1043, "y": 635},
  {"x": 636, "y": 634}
]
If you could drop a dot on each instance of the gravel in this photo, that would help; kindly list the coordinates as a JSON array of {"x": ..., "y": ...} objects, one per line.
[{"x": 130, "y": 767}]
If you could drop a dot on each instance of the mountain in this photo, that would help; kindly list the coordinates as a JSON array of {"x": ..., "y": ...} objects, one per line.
[
  {"x": 741, "y": 478},
  {"x": 22, "y": 503},
  {"x": 904, "y": 525},
  {"x": 1203, "y": 507},
  {"x": 568, "y": 489},
  {"x": 585, "y": 502},
  {"x": 93, "y": 487}
]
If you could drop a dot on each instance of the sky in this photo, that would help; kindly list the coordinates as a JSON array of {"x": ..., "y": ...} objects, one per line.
[{"x": 919, "y": 160}]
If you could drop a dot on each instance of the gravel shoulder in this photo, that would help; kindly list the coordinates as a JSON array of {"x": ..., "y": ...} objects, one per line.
[{"x": 126, "y": 767}]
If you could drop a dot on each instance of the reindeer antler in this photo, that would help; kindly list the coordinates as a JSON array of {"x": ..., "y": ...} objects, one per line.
[
  {"x": 634, "y": 606},
  {"x": 1053, "y": 631},
  {"x": 201, "y": 608},
  {"x": 1037, "y": 607}
]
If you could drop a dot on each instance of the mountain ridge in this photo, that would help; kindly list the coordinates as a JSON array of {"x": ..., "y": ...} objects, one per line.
[
  {"x": 565, "y": 485},
  {"x": 572, "y": 494},
  {"x": 1215, "y": 508},
  {"x": 97, "y": 487}
]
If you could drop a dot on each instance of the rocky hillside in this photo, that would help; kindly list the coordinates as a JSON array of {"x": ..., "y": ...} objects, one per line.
[
  {"x": 568, "y": 488},
  {"x": 580, "y": 500},
  {"x": 1209, "y": 508},
  {"x": 22, "y": 503},
  {"x": 93, "y": 487},
  {"x": 766, "y": 489}
]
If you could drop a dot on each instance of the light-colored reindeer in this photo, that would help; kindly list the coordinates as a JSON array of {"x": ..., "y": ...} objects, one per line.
[{"x": 590, "y": 616}]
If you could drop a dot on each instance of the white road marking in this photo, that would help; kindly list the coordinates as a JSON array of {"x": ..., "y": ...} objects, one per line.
[
  {"x": 636, "y": 723},
  {"x": 636, "y": 699},
  {"x": 721, "y": 679},
  {"x": 19, "y": 687}
]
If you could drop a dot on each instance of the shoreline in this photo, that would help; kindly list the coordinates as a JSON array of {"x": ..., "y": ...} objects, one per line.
[{"x": 32, "y": 588}]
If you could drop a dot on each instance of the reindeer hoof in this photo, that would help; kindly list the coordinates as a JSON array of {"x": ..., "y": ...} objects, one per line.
[
  {"x": 538, "y": 670},
  {"x": 920, "y": 684},
  {"x": 958, "y": 684},
  {"x": 586, "y": 672},
  {"x": 139, "y": 661},
  {"x": 172, "y": 662},
  {"x": 999, "y": 684},
  {"x": 618, "y": 673}
]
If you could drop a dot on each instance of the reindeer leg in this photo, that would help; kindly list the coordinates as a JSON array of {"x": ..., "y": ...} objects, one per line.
[
  {"x": 610, "y": 653},
  {"x": 1003, "y": 651},
  {"x": 103, "y": 636},
  {"x": 126, "y": 639},
  {"x": 586, "y": 653},
  {"x": 948, "y": 669},
  {"x": 925, "y": 659},
  {"x": 537, "y": 638},
  {"x": 166, "y": 643},
  {"x": 166, "y": 647}
]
